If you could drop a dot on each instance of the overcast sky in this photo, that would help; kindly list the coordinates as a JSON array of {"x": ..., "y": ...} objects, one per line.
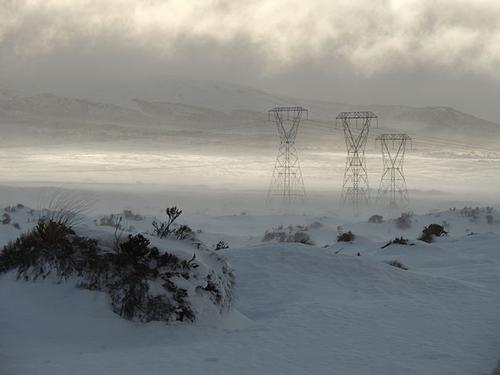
[{"x": 416, "y": 52}]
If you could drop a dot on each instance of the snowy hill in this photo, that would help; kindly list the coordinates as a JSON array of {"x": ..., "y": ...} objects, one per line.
[{"x": 299, "y": 308}]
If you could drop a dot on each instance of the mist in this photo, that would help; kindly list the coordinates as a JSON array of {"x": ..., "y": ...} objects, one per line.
[
  {"x": 419, "y": 53},
  {"x": 249, "y": 187}
]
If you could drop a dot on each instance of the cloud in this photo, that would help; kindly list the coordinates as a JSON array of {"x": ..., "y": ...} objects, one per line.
[{"x": 370, "y": 36}]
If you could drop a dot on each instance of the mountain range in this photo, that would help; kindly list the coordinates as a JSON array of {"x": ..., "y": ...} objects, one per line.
[{"x": 226, "y": 108}]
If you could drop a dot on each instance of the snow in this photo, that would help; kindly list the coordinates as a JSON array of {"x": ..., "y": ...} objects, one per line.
[{"x": 299, "y": 309}]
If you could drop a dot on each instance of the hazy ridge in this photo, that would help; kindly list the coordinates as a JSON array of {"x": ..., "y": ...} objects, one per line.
[{"x": 224, "y": 108}]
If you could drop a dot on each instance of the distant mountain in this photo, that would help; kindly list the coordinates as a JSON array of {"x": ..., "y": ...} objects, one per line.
[
  {"x": 43, "y": 107},
  {"x": 231, "y": 108}
]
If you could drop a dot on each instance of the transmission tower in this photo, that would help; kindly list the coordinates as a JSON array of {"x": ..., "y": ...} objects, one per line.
[
  {"x": 355, "y": 189},
  {"x": 393, "y": 190},
  {"x": 287, "y": 182}
]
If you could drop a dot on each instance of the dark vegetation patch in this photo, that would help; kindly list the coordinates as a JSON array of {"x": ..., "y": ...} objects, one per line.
[
  {"x": 142, "y": 282},
  {"x": 396, "y": 263},
  {"x": 289, "y": 234},
  {"x": 345, "y": 237},
  {"x": 221, "y": 245},
  {"x": 6, "y": 218},
  {"x": 432, "y": 231},
  {"x": 404, "y": 221},
  {"x": 376, "y": 219},
  {"x": 129, "y": 215},
  {"x": 111, "y": 220},
  {"x": 169, "y": 228},
  {"x": 476, "y": 214},
  {"x": 396, "y": 241}
]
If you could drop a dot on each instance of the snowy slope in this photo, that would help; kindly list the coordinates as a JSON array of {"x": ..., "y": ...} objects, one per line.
[{"x": 299, "y": 309}]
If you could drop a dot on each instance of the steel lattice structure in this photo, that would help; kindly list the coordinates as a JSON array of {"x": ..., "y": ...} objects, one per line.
[
  {"x": 393, "y": 190},
  {"x": 287, "y": 182},
  {"x": 355, "y": 188}
]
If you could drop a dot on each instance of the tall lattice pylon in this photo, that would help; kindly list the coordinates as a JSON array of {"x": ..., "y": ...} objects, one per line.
[
  {"x": 287, "y": 183},
  {"x": 393, "y": 191},
  {"x": 355, "y": 189}
]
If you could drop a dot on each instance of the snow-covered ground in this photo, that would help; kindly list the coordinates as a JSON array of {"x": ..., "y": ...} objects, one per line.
[{"x": 299, "y": 309}]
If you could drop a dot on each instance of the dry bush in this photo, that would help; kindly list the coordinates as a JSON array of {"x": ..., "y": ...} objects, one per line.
[
  {"x": 376, "y": 219},
  {"x": 221, "y": 245},
  {"x": 296, "y": 234},
  {"x": 6, "y": 218},
  {"x": 129, "y": 215},
  {"x": 314, "y": 225},
  {"x": 432, "y": 231},
  {"x": 169, "y": 228},
  {"x": 126, "y": 274},
  {"x": 396, "y": 241},
  {"x": 346, "y": 237},
  {"x": 404, "y": 221}
]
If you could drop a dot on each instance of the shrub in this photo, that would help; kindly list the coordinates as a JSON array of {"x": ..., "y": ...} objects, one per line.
[
  {"x": 141, "y": 281},
  {"x": 404, "y": 221},
  {"x": 376, "y": 219},
  {"x": 397, "y": 264},
  {"x": 111, "y": 220},
  {"x": 474, "y": 214},
  {"x": 6, "y": 218},
  {"x": 129, "y": 215},
  {"x": 16, "y": 225},
  {"x": 44, "y": 250},
  {"x": 345, "y": 237},
  {"x": 182, "y": 232},
  {"x": 398, "y": 241},
  {"x": 290, "y": 234},
  {"x": 314, "y": 225},
  {"x": 433, "y": 230},
  {"x": 221, "y": 245},
  {"x": 277, "y": 234},
  {"x": 164, "y": 229},
  {"x": 302, "y": 237}
]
